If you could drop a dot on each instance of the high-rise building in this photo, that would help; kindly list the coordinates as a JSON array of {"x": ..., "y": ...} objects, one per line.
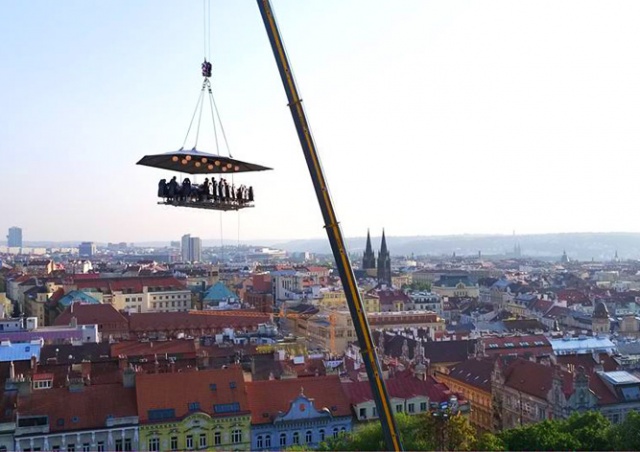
[
  {"x": 14, "y": 237},
  {"x": 87, "y": 249},
  {"x": 191, "y": 248},
  {"x": 384, "y": 263}
]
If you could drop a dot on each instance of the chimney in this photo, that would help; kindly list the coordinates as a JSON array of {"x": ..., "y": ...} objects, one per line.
[
  {"x": 86, "y": 368},
  {"x": 74, "y": 321},
  {"x": 129, "y": 378},
  {"x": 34, "y": 364},
  {"x": 123, "y": 362},
  {"x": 12, "y": 371}
]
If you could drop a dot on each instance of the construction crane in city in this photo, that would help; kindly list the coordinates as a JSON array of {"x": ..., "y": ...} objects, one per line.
[{"x": 354, "y": 300}]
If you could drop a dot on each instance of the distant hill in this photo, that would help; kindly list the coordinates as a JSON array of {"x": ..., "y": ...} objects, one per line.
[{"x": 582, "y": 246}]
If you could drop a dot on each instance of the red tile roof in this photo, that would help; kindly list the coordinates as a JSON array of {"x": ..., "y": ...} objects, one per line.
[
  {"x": 183, "y": 347},
  {"x": 401, "y": 387},
  {"x": 534, "y": 379},
  {"x": 535, "y": 344},
  {"x": 91, "y": 314},
  {"x": 87, "y": 409},
  {"x": 275, "y": 396},
  {"x": 135, "y": 284},
  {"x": 167, "y": 391},
  {"x": 160, "y": 321}
]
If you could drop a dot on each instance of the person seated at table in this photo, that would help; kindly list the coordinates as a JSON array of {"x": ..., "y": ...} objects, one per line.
[
  {"x": 172, "y": 188},
  {"x": 162, "y": 188}
]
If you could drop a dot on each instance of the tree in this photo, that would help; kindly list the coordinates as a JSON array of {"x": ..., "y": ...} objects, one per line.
[
  {"x": 626, "y": 436},
  {"x": 489, "y": 441},
  {"x": 590, "y": 429},
  {"x": 417, "y": 432},
  {"x": 420, "y": 286},
  {"x": 545, "y": 435}
]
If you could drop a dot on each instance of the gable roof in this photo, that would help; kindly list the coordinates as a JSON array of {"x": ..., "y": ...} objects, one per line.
[
  {"x": 219, "y": 292},
  {"x": 77, "y": 296},
  {"x": 91, "y": 314},
  {"x": 271, "y": 397},
  {"x": 404, "y": 387},
  {"x": 158, "y": 321},
  {"x": 87, "y": 409},
  {"x": 474, "y": 372},
  {"x": 166, "y": 391}
]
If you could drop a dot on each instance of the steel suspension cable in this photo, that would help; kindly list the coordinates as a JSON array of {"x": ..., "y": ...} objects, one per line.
[{"x": 198, "y": 103}]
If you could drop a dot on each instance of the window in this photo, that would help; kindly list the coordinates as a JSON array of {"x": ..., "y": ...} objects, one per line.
[
  {"x": 398, "y": 408},
  {"x": 194, "y": 406},
  {"x": 283, "y": 439},
  {"x": 174, "y": 443},
  {"x": 86, "y": 447},
  {"x": 119, "y": 445},
  {"x": 411, "y": 408},
  {"x": 259, "y": 443},
  {"x": 154, "y": 444},
  {"x": 267, "y": 441},
  {"x": 232, "y": 384},
  {"x": 423, "y": 406},
  {"x": 55, "y": 449},
  {"x": 236, "y": 436},
  {"x": 71, "y": 448},
  {"x": 100, "y": 446},
  {"x": 203, "y": 440},
  {"x": 213, "y": 386},
  {"x": 296, "y": 438},
  {"x": 321, "y": 433},
  {"x": 363, "y": 413},
  {"x": 374, "y": 412},
  {"x": 335, "y": 432},
  {"x": 217, "y": 438},
  {"x": 308, "y": 437},
  {"x": 189, "y": 441}
]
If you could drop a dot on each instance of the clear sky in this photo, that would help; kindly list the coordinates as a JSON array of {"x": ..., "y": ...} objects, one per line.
[{"x": 431, "y": 117}]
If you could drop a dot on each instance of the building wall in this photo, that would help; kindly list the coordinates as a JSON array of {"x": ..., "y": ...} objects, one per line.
[
  {"x": 303, "y": 424},
  {"x": 460, "y": 290},
  {"x": 107, "y": 438},
  {"x": 195, "y": 426},
  {"x": 481, "y": 415}
]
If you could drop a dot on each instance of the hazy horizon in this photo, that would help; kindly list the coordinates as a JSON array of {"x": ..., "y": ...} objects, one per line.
[{"x": 431, "y": 118}]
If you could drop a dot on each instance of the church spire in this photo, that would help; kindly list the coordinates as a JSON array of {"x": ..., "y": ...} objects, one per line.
[
  {"x": 383, "y": 246},
  {"x": 369, "y": 258},
  {"x": 369, "y": 248},
  {"x": 384, "y": 263}
]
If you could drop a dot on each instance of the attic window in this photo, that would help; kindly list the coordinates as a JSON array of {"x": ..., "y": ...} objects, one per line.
[
  {"x": 232, "y": 384},
  {"x": 194, "y": 406},
  {"x": 334, "y": 408},
  {"x": 538, "y": 343},
  {"x": 524, "y": 344},
  {"x": 493, "y": 345},
  {"x": 265, "y": 415},
  {"x": 213, "y": 386},
  {"x": 508, "y": 344},
  {"x": 74, "y": 419}
]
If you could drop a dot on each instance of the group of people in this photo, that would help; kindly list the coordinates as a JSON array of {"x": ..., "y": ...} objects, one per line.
[{"x": 216, "y": 191}]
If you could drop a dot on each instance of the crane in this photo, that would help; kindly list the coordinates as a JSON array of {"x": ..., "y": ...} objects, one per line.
[{"x": 354, "y": 300}]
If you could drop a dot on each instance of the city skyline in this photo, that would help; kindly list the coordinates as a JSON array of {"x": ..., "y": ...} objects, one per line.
[{"x": 428, "y": 119}]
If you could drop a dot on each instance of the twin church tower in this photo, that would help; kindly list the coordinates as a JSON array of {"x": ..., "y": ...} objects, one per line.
[{"x": 384, "y": 260}]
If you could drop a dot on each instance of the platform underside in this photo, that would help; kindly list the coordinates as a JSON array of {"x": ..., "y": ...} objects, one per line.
[{"x": 209, "y": 205}]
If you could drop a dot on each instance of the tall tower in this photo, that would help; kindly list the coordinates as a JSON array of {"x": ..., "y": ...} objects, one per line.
[
  {"x": 14, "y": 237},
  {"x": 384, "y": 263},
  {"x": 191, "y": 248},
  {"x": 369, "y": 259}
]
